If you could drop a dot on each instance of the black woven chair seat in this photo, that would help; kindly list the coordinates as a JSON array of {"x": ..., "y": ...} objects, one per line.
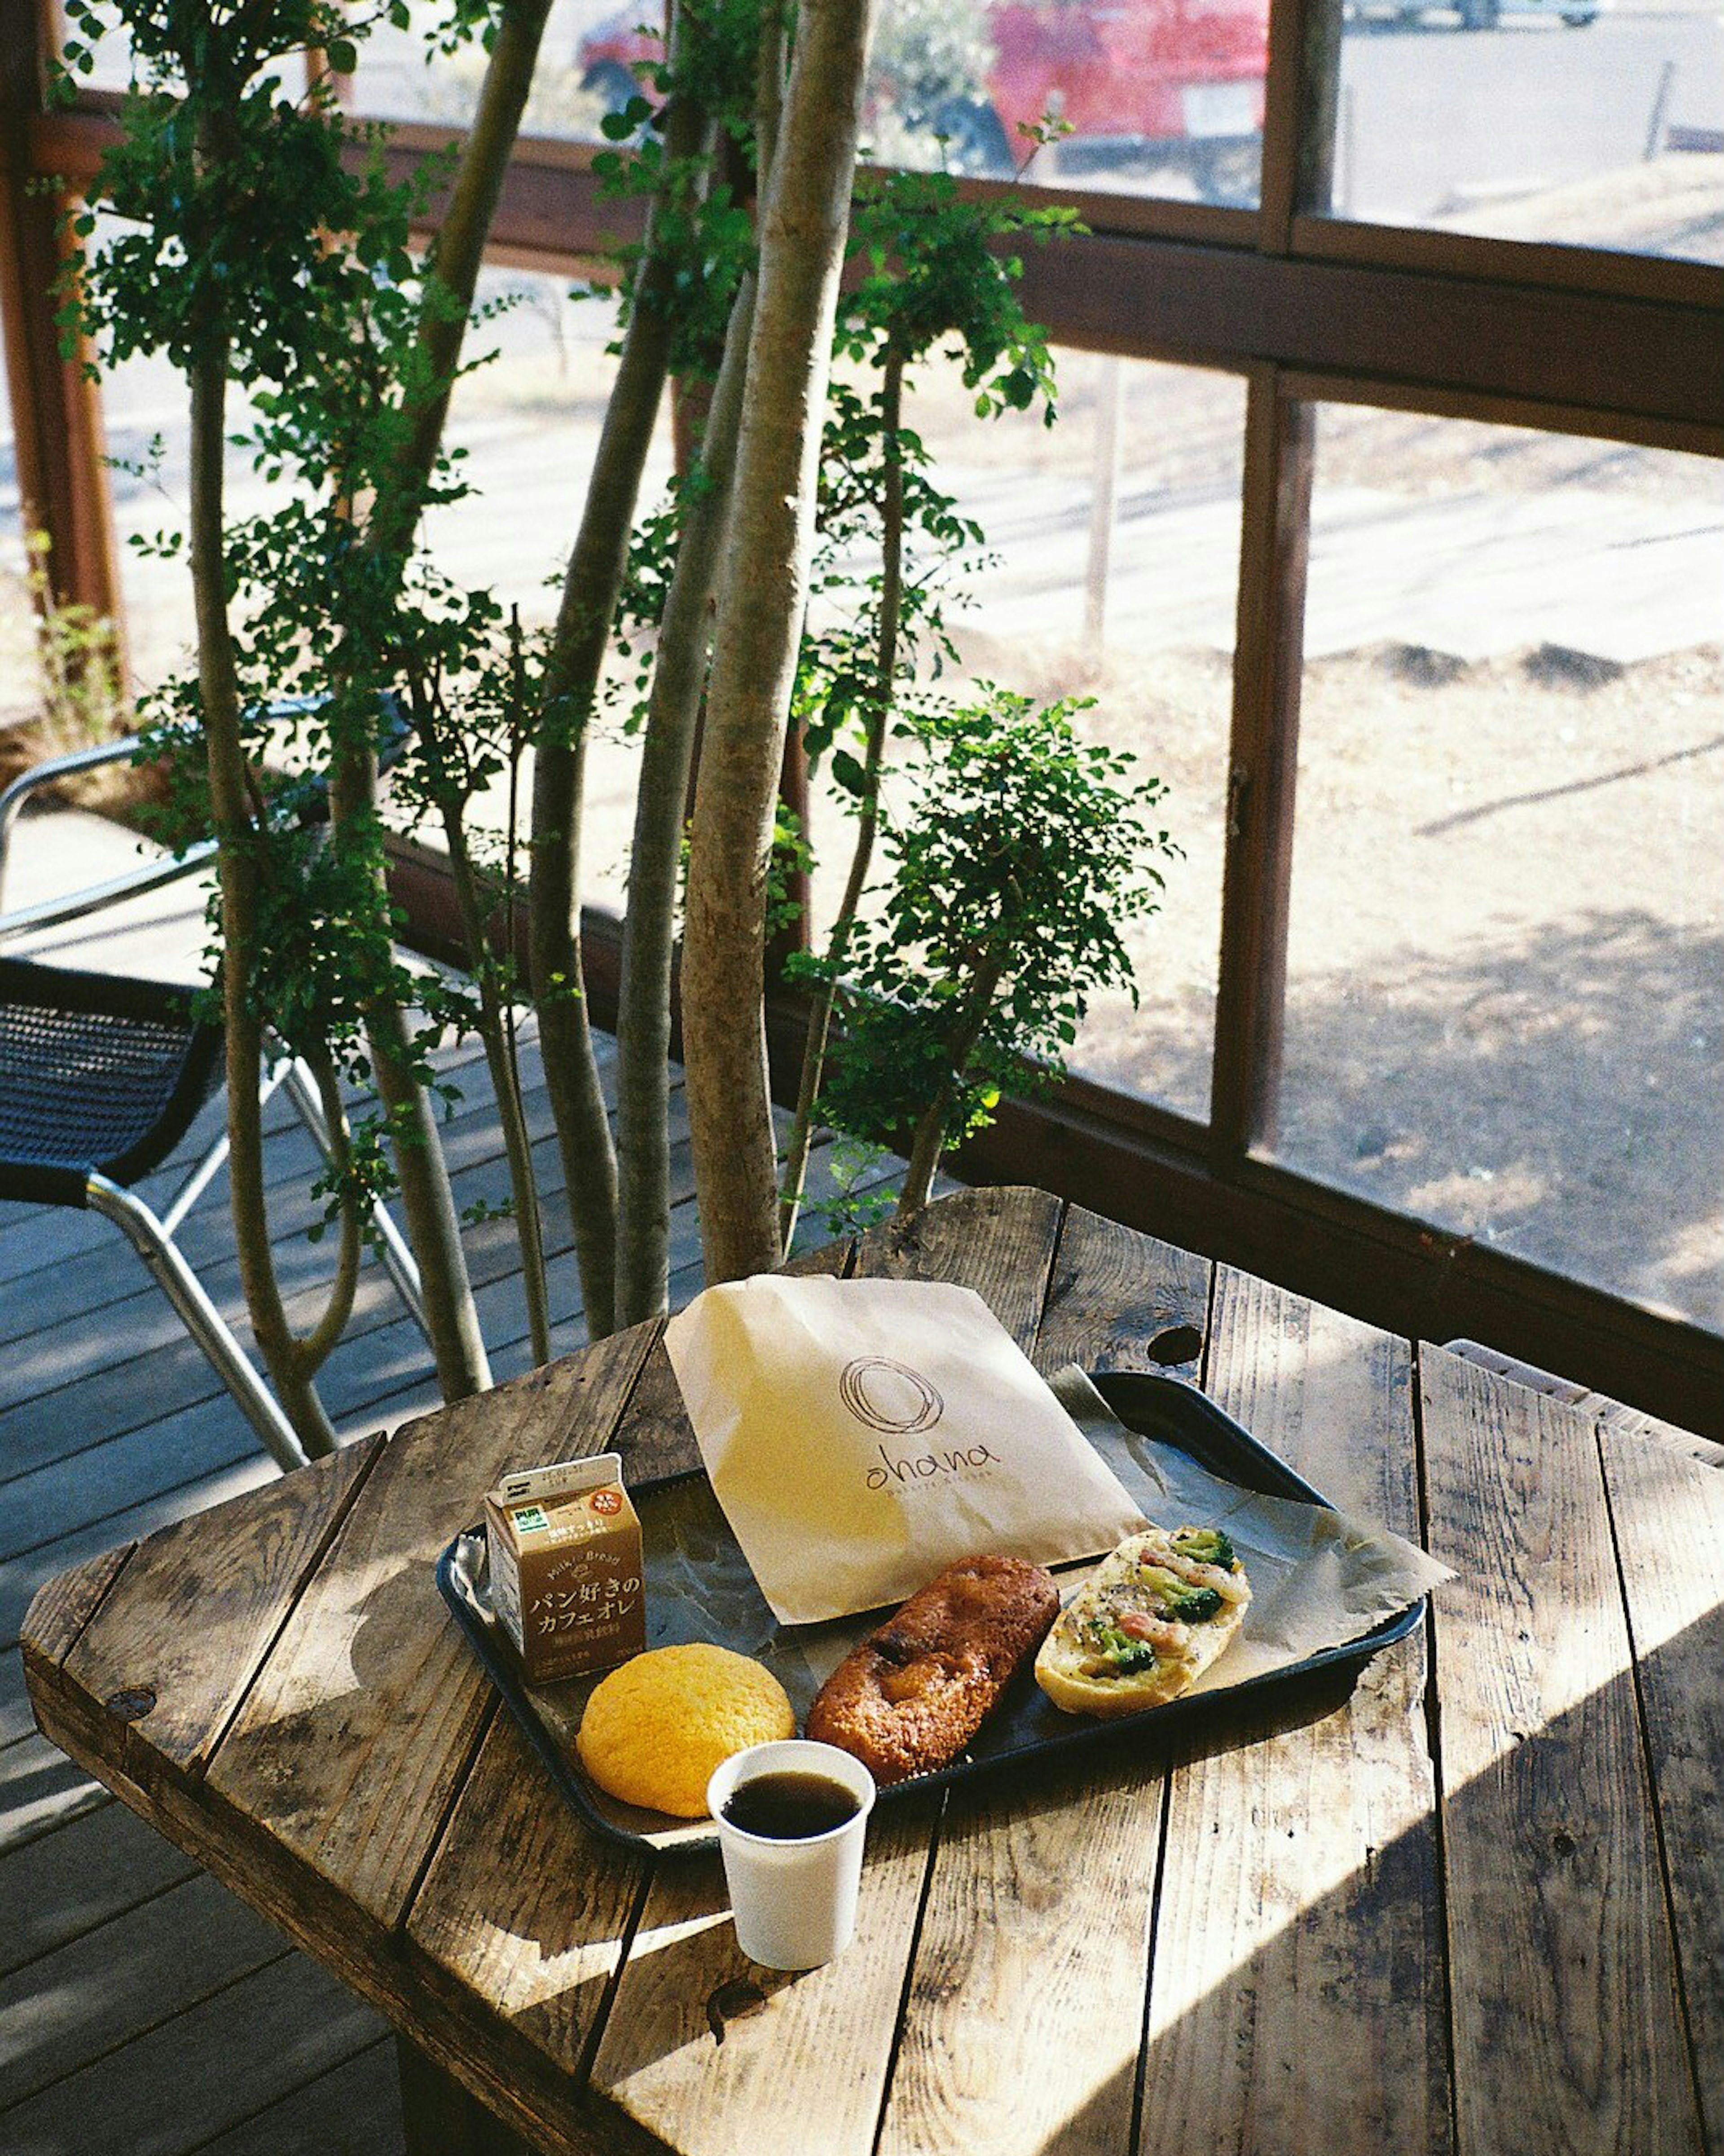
[{"x": 95, "y": 1073}]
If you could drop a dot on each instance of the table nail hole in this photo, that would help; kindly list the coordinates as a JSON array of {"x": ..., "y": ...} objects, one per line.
[
  {"x": 1176, "y": 1343},
  {"x": 133, "y": 1705},
  {"x": 733, "y": 2002}
]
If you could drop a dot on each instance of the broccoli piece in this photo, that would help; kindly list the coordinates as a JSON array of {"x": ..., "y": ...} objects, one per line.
[
  {"x": 1193, "y": 1605},
  {"x": 1207, "y": 1545},
  {"x": 1127, "y": 1655}
]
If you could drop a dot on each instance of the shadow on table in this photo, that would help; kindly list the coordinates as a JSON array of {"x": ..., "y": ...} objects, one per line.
[{"x": 1558, "y": 1893}]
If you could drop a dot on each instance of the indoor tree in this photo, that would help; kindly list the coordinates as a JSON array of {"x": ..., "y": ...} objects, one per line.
[
  {"x": 251, "y": 248},
  {"x": 756, "y": 638},
  {"x": 1019, "y": 856}
]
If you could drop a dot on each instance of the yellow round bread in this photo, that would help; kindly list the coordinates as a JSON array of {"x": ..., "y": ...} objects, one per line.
[{"x": 655, "y": 1728}]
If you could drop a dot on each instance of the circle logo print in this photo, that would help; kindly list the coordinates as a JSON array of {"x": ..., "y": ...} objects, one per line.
[{"x": 889, "y": 1396}]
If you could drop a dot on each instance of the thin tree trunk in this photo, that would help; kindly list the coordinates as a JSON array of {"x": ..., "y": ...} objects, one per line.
[
  {"x": 455, "y": 259},
  {"x": 494, "y": 1033},
  {"x": 656, "y": 858},
  {"x": 292, "y": 1363},
  {"x": 433, "y": 1226},
  {"x": 758, "y": 631},
  {"x": 930, "y": 1140},
  {"x": 590, "y": 587},
  {"x": 885, "y": 669}
]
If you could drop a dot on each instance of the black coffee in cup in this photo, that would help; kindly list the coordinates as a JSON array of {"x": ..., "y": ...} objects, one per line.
[{"x": 790, "y": 1806}]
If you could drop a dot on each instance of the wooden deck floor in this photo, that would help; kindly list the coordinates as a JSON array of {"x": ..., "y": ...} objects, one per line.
[{"x": 143, "y": 2010}]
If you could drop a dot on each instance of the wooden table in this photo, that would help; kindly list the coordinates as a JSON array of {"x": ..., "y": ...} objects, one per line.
[{"x": 1476, "y": 1905}]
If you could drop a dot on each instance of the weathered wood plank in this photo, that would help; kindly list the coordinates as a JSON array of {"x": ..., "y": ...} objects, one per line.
[
  {"x": 1668, "y": 1509},
  {"x": 1120, "y": 1300},
  {"x": 100, "y": 1990},
  {"x": 367, "y": 1714},
  {"x": 999, "y": 1242},
  {"x": 174, "y": 2087},
  {"x": 65, "y": 1883},
  {"x": 524, "y": 1910},
  {"x": 1296, "y": 1992},
  {"x": 59, "y": 1611},
  {"x": 1024, "y": 2016},
  {"x": 705, "y": 2050},
  {"x": 1620, "y": 1421},
  {"x": 199, "y": 1607},
  {"x": 541, "y": 1960},
  {"x": 1025, "y": 2010},
  {"x": 1567, "y": 2023}
]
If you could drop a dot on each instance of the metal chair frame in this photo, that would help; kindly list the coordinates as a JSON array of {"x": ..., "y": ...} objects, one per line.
[{"x": 151, "y": 1234}]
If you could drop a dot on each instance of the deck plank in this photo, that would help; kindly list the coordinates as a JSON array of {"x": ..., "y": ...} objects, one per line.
[
  {"x": 179, "y": 2084},
  {"x": 98, "y": 1991},
  {"x": 63, "y": 1884},
  {"x": 1566, "y": 2021},
  {"x": 40, "y": 1788},
  {"x": 354, "y": 2109}
]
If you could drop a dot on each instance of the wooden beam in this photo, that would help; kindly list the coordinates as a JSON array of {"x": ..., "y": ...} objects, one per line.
[
  {"x": 1625, "y": 336},
  {"x": 56, "y": 408},
  {"x": 1258, "y": 872}
]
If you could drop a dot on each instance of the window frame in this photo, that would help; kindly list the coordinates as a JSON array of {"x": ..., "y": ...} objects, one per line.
[{"x": 1308, "y": 309}]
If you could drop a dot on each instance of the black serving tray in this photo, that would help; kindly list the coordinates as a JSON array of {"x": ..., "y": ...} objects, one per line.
[{"x": 699, "y": 1587}]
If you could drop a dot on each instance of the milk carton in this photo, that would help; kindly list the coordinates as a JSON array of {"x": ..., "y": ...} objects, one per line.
[{"x": 566, "y": 1567}]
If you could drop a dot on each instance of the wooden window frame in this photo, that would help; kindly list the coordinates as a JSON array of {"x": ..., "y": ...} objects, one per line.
[{"x": 1308, "y": 309}]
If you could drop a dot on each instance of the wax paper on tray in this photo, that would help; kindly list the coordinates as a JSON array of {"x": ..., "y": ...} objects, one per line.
[{"x": 1318, "y": 1579}]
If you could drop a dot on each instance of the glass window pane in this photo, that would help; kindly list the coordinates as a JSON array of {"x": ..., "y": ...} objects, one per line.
[
  {"x": 1507, "y": 928},
  {"x": 529, "y": 425},
  {"x": 1160, "y": 97},
  {"x": 400, "y": 78},
  {"x": 1136, "y": 609},
  {"x": 1572, "y": 120}
]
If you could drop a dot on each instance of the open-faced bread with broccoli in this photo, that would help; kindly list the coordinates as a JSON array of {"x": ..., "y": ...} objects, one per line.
[{"x": 1145, "y": 1624}]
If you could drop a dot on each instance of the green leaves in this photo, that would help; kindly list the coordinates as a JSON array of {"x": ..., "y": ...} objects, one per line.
[{"x": 1021, "y": 853}]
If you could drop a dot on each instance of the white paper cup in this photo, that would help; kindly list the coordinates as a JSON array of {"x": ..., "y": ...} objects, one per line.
[{"x": 794, "y": 1902}]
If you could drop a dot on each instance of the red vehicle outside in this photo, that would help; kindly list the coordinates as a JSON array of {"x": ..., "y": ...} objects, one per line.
[{"x": 1167, "y": 82}]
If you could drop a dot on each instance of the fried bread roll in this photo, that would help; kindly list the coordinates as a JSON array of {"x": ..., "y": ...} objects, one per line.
[
  {"x": 1146, "y": 1624},
  {"x": 913, "y": 1694}
]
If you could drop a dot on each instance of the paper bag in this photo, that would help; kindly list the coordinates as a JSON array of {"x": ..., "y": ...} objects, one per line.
[{"x": 861, "y": 1435}]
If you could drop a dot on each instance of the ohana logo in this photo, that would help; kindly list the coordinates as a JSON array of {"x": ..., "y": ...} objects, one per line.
[
  {"x": 948, "y": 1462},
  {"x": 889, "y": 1396}
]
